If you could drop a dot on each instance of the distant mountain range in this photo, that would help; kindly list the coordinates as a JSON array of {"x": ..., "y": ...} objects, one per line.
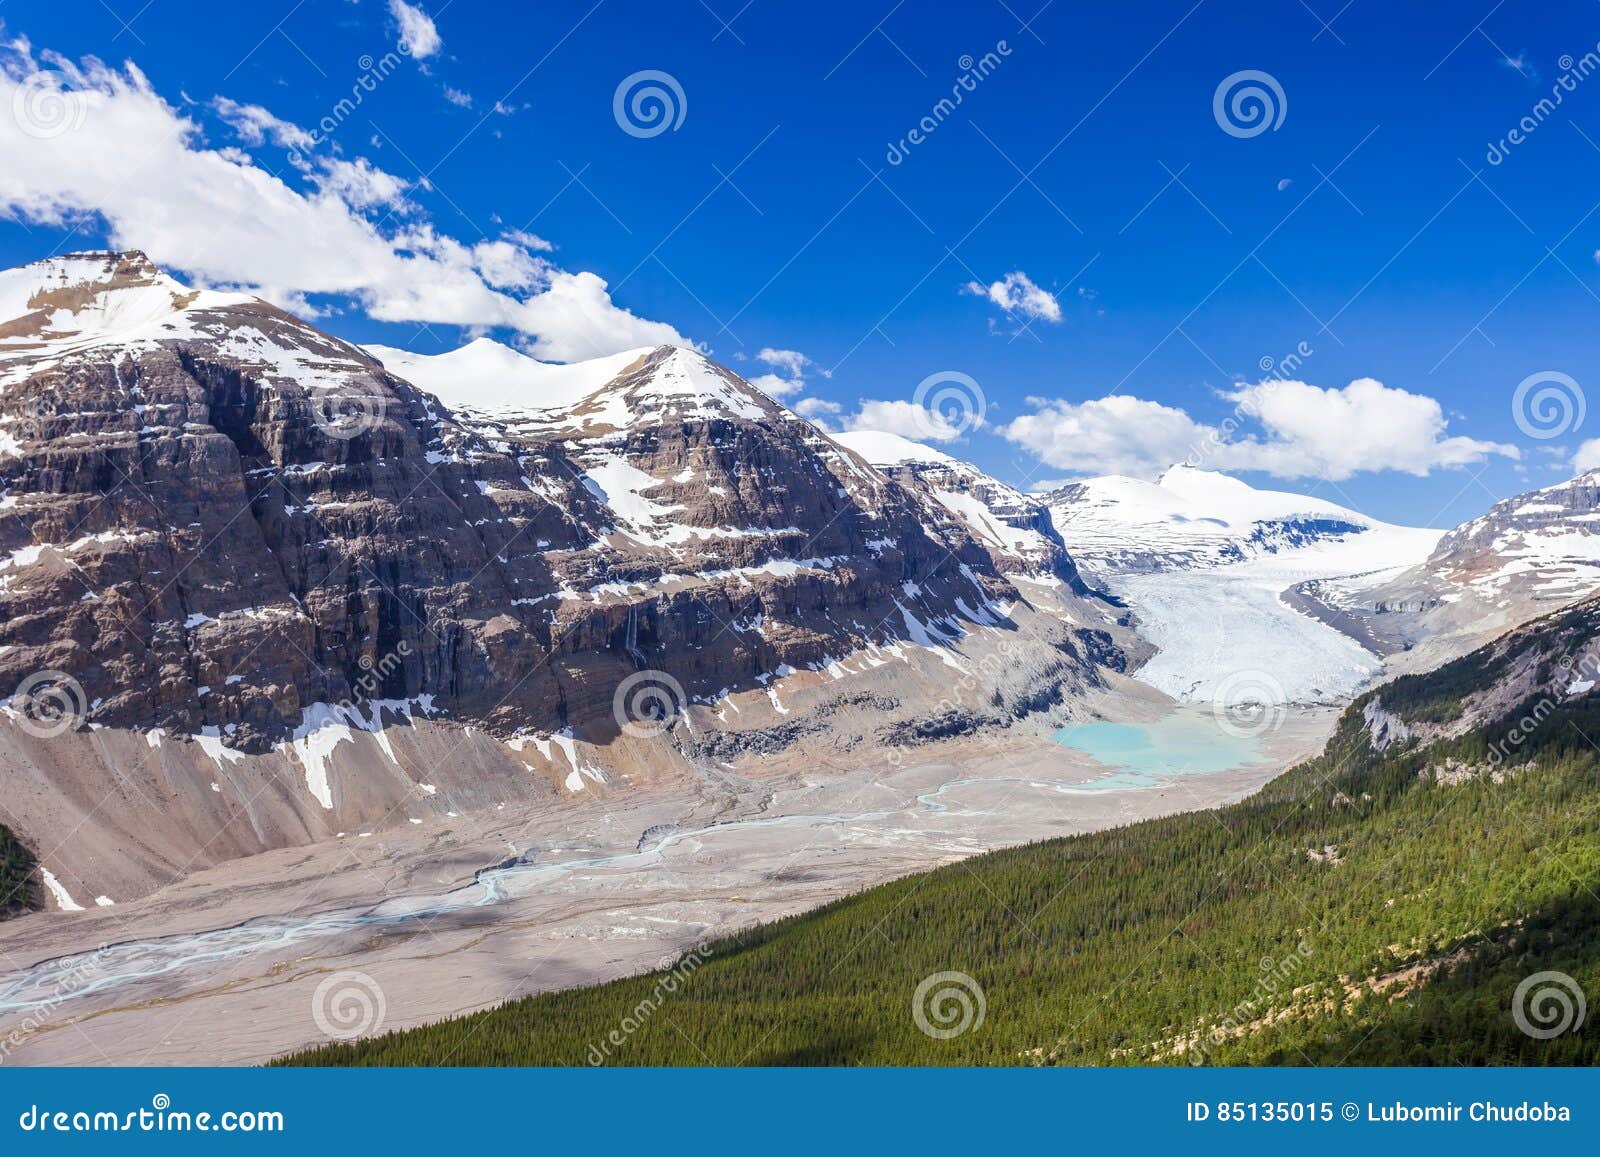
[
  {"x": 1190, "y": 519},
  {"x": 1527, "y": 556},
  {"x": 262, "y": 570},
  {"x": 238, "y": 550}
]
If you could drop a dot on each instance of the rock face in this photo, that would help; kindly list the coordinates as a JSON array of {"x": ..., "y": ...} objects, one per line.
[
  {"x": 1510, "y": 686},
  {"x": 1527, "y": 556},
  {"x": 220, "y": 521},
  {"x": 217, "y": 517},
  {"x": 1016, "y": 530}
]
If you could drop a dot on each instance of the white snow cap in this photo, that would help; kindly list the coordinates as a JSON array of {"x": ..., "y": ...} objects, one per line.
[
  {"x": 884, "y": 449},
  {"x": 55, "y": 310},
  {"x": 490, "y": 377}
]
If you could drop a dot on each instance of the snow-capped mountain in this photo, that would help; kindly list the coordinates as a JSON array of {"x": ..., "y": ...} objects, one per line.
[
  {"x": 487, "y": 376},
  {"x": 1527, "y": 556},
  {"x": 671, "y": 515},
  {"x": 1188, "y": 518},
  {"x": 1016, "y": 529},
  {"x": 237, "y": 538},
  {"x": 274, "y": 578}
]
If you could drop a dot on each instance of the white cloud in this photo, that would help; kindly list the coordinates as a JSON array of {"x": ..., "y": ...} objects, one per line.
[
  {"x": 1284, "y": 428},
  {"x": 907, "y": 419},
  {"x": 129, "y": 161},
  {"x": 458, "y": 98},
  {"x": 1367, "y": 426},
  {"x": 790, "y": 375},
  {"x": 1016, "y": 293},
  {"x": 817, "y": 409},
  {"x": 1587, "y": 458},
  {"x": 360, "y": 184},
  {"x": 1111, "y": 435},
  {"x": 792, "y": 361},
  {"x": 418, "y": 36},
  {"x": 256, "y": 126},
  {"x": 777, "y": 387}
]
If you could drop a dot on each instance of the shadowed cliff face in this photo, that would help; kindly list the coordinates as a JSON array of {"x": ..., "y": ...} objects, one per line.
[{"x": 216, "y": 516}]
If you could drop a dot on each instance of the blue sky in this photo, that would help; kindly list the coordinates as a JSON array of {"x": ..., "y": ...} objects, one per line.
[{"x": 1368, "y": 227}]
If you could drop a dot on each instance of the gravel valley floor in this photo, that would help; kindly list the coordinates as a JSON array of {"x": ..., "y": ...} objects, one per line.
[{"x": 250, "y": 960}]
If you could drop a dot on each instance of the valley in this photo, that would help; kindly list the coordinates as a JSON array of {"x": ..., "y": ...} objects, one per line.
[
  {"x": 356, "y": 682},
  {"x": 583, "y": 894}
]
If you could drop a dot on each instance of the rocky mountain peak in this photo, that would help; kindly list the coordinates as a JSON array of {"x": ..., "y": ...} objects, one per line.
[{"x": 672, "y": 383}]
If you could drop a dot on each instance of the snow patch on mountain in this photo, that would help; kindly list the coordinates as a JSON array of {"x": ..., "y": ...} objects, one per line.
[
  {"x": 1015, "y": 528},
  {"x": 1189, "y": 518},
  {"x": 1223, "y": 628},
  {"x": 55, "y": 310},
  {"x": 485, "y": 376}
]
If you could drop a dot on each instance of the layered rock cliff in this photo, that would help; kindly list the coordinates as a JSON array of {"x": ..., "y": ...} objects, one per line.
[{"x": 219, "y": 521}]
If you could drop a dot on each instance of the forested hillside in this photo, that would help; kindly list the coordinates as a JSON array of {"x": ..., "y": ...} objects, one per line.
[{"x": 17, "y": 891}]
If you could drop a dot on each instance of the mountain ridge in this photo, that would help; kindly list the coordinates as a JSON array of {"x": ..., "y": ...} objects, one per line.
[{"x": 247, "y": 553}]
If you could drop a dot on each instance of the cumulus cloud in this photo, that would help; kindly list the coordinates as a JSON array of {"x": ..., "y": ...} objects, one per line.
[
  {"x": 1016, "y": 293},
  {"x": 418, "y": 35},
  {"x": 1116, "y": 434},
  {"x": 1587, "y": 458},
  {"x": 360, "y": 184},
  {"x": 124, "y": 160},
  {"x": 1366, "y": 426},
  {"x": 1288, "y": 429},
  {"x": 789, "y": 372},
  {"x": 819, "y": 410},
  {"x": 907, "y": 419}
]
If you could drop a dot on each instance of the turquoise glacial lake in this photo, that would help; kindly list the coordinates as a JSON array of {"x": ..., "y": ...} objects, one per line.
[{"x": 1149, "y": 754}]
